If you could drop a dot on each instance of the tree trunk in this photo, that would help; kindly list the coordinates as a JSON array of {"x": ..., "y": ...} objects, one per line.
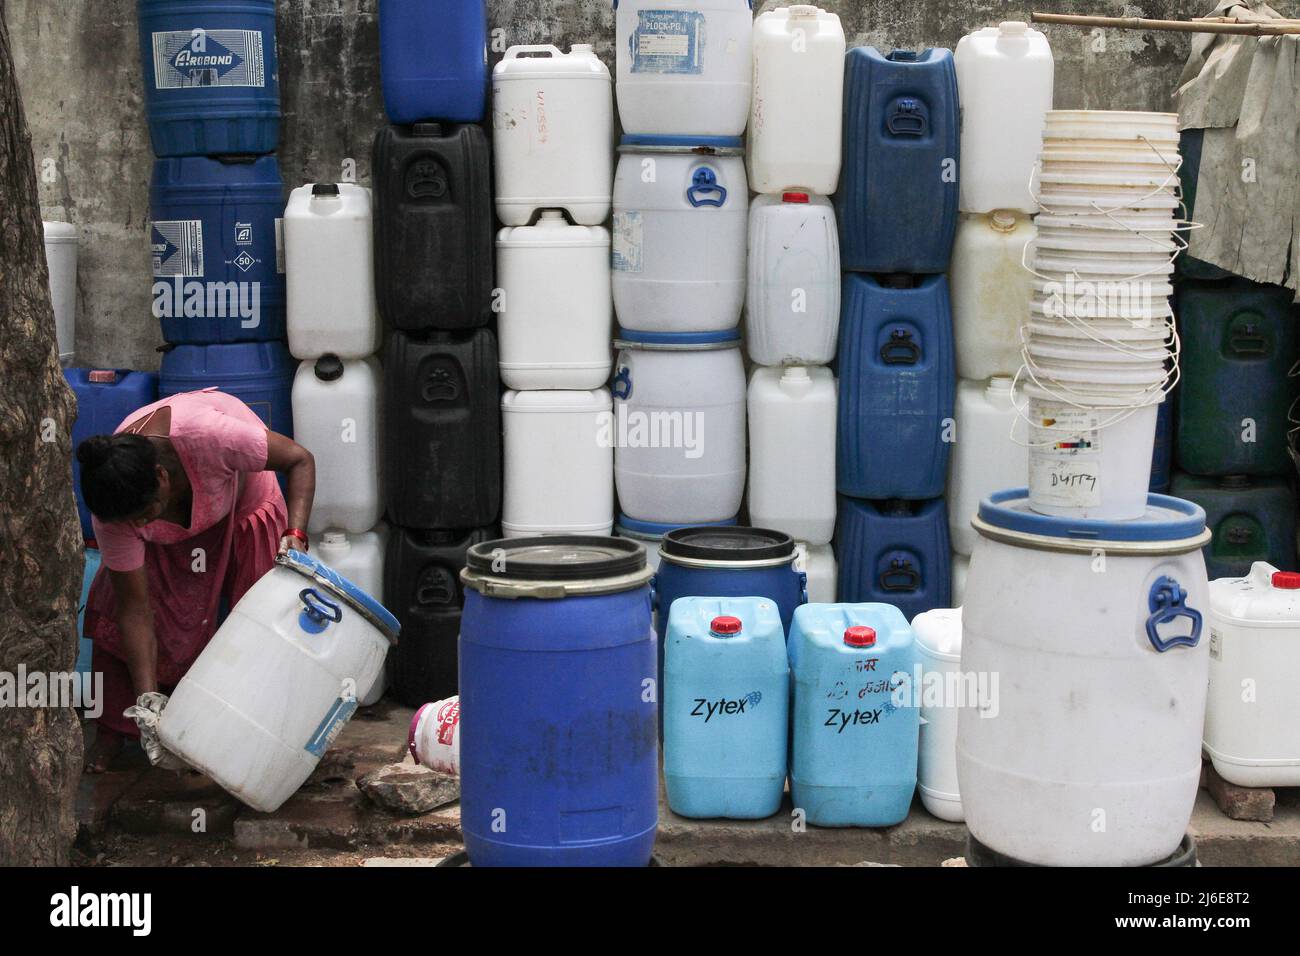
[{"x": 40, "y": 539}]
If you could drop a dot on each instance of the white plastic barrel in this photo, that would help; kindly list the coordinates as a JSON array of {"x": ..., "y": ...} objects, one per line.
[
  {"x": 990, "y": 454},
  {"x": 557, "y": 315},
  {"x": 683, "y": 67},
  {"x": 681, "y": 215},
  {"x": 360, "y": 559},
  {"x": 792, "y": 452},
  {"x": 817, "y": 561},
  {"x": 559, "y": 461},
  {"x": 330, "y": 272},
  {"x": 337, "y": 416},
  {"x": 679, "y": 418},
  {"x": 792, "y": 302},
  {"x": 960, "y": 572},
  {"x": 278, "y": 681},
  {"x": 1004, "y": 80},
  {"x": 990, "y": 289},
  {"x": 1252, "y": 717},
  {"x": 938, "y": 649},
  {"x": 552, "y": 133},
  {"x": 61, "y": 244},
  {"x": 1089, "y": 753},
  {"x": 795, "y": 117}
]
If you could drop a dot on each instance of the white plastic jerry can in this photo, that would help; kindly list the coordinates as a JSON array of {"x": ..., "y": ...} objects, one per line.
[
  {"x": 330, "y": 273},
  {"x": 1004, "y": 80},
  {"x": 793, "y": 291},
  {"x": 991, "y": 291},
  {"x": 337, "y": 417},
  {"x": 1252, "y": 714},
  {"x": 990, "y": 454},
  {"x": 360, "y": 559},
  {"x": 792, "y": 452},
  {"x": 795, "y": 114},
  {"x": 938, "y": 651},
  {"x": 817, "y": 561}
]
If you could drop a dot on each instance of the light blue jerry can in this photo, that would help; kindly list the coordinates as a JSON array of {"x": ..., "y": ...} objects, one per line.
[
  {"x": 84, "y": 648},
  {"x": 855, "y": 722},
  {"x": 726, "y": 707}
]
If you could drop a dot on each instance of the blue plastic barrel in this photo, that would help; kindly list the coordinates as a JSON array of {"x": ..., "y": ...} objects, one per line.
[
  {"x": 218, "y": 271},
  {"x": 894, "y": 552},
  {"x": 897, "y": 387},
  {"x": 855, "y": 719},
  {"x": 105, "y": 397},
  {"x": 726, "y": 708},
  {"x": 559, "y": 758},
  {"x": 85, "y": 647},
  {"x": 260, "y": 374},
  {"x": 433, "y": 60},
  {"x": 897, "y": 201},
  {"x": 211, "y": 76}
]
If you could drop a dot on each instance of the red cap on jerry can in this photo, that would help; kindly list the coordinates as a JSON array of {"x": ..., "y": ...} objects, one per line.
[
  {"x": 725, "y": 624},
  {"x": 794, "y": 197},
  {"x": 1287, "y": 580},
  {"x": 860, "y": 636}
]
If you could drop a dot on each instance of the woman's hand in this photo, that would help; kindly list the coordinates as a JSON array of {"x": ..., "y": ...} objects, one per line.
[{"x": 291, "y": 542}]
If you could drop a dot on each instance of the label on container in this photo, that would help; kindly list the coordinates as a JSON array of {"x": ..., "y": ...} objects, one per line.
[
  {"x": 194, "y": 59},
  {"x": 1065, "y": 457},
  {"x": 331, "y": 726},
  {"x": 177, "y": 248},
  {"x": 627, "y": 242},
  {"x": 668, "y": 41}
]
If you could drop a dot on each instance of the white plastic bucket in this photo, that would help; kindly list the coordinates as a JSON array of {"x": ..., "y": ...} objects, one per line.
[
  {"x": 552, "y": 134},
  {"x": 681, "y": 219},
  {"x": 1102, "y": 200},
  {"x": 1112, "y": 125},
  {"x": 61, "y": 245},
  {"x": 559, "y": 463},
  {"x": 938, "y": 651},
  {"x": 679, "y": 404},
  {"x": 555, "y": 326}
]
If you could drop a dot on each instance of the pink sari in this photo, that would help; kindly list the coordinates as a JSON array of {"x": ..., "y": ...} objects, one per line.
[{"x": 237, "y": 518}]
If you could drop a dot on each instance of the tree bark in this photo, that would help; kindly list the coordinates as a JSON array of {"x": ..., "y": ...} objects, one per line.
[{"x": 40, "y": 539}]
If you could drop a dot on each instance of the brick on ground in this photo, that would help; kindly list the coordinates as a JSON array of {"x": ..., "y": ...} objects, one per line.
[{"x": 1240, "y": 803}]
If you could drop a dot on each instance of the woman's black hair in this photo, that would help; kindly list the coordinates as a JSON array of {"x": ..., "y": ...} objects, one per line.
[{"x": 119, "y": 475}]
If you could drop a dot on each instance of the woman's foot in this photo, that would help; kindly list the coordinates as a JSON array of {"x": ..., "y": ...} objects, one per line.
[{"x": 108, "y": 744}]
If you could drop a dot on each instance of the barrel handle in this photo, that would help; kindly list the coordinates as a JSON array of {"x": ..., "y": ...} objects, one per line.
[
  {"x": 907, "y": 118},
  {"x": 1168, "y": 602},
  {"x": 901, "y": 349},
  {"x": 1238, "y": 535},
  {"x": 549, "y": 48},
  {"x": 803, "y": 587},
  {"x": 704, "y": 181},
  {"x": 900, "y": 568},
  {"x": 317, "y": 611},
  {"x": 622, "y": 387}
]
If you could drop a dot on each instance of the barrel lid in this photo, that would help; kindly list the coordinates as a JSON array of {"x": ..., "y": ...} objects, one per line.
[
  {"x": 355, "y": 597},
  {"x": 655, "y": 529},
  {"x": 555, "y": 566},
  {"x": 632, "y": 339},
  {"x": 725, "y": 145},
  {"x": 726, "y": 544},
  {"x": 1167, "y": 520}
]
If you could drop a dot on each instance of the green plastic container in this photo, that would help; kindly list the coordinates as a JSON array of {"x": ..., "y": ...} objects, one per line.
[
  {"x": 1252, "y": 519},
  {"x": 1239, "y": 342}
]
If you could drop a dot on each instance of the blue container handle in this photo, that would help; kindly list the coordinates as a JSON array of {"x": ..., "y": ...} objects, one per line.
[
  {"x": 803, "y": 587},
  {"x": 900, "y": 576},
  {"x": 908, "y": 118},
  {"x": 317, "y": 611},
  {"x": 705, "y": 181},
  {"x": 901, "y": 349},
  {"x": 622, "y": 387},
  {"x": 1168, "y": 602}
]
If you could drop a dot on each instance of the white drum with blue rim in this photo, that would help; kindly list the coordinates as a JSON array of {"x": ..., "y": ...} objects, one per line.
[
  {"x": 681, "y": 224},
  {"x": 278, "y": 681},
  {"x": 1085, "y": 747}
]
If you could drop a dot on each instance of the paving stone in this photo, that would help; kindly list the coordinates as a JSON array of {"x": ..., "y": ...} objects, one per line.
[
  {"x": 402, "y": 861},
  {"x": 406, "y": 788},
  {"x": 1241, "y": 803}
]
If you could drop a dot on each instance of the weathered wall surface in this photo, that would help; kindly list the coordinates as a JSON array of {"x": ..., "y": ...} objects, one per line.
[{"x": 78, "y": 61}]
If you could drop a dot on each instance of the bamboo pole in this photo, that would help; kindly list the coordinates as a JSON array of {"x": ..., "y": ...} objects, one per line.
[{"x": 1237, "y": 27}]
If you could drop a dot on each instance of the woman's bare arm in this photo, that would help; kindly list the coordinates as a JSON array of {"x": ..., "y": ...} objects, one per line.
[
  {"x": 287, "y": 456},
  {"x": 135, "y": 624}
]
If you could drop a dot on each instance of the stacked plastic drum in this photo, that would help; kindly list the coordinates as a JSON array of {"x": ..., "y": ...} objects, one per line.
[
  {"x": 989, "y": 278},
  {"x": 897, "y": 212},
  {"x": 216, "y": 200},
  {"x": 433, "y": 280},
  {"x": 553, "y": 135},
  {"x": 1110, "y": 582},
  {"x": 680, "y": 222},
  {"x": 792, "y": 312}
]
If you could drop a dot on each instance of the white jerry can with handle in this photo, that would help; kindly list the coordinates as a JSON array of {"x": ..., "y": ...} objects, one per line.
[
  {"x": 360, "y": 559},
  {"x": 938, "y": 651},
  {"x": 278, "y": 681}
]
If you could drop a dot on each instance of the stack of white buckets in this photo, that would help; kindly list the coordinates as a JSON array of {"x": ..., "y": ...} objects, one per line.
[
  {"x": 1099, "y": 348},
  {"x": 333, "y": 328},
  {"x": 690, "y": 249}
]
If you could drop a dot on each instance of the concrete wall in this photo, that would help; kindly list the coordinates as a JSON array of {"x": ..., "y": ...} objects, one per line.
[{"x": 79, "y": 65}]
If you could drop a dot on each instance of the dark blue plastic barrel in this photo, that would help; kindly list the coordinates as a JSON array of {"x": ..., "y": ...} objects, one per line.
[
  {"x": 894, "y": 552},
  {"x": 433, "y": 60},
  {"x": 897, "y": 387},
  {"x": 897, "y": 201},
  {"x": 558, "y": 701},
  {"x": 217, "y": 253},
  {"x": 105, "y": 397},
  {"x": 260, "y": 374},
  {"x": 211, "y": 76}
]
